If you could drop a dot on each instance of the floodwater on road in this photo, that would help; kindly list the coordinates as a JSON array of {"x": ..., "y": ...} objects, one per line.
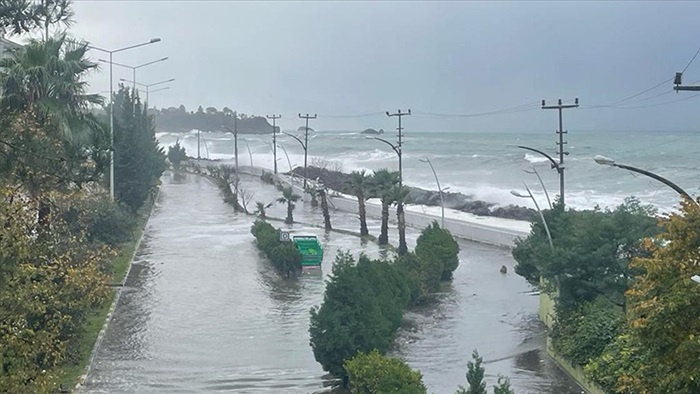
[{"x": 203, "y": 311}]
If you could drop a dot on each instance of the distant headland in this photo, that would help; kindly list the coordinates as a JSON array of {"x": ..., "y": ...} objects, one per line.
[{"x": 179, "y": 120}]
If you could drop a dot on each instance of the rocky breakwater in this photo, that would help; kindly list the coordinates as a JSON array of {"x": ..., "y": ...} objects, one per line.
[{"x": 336, "y": 180}]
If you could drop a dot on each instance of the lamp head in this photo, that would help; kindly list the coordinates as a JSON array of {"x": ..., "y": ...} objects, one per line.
[
  {"x": 602, "y": 160},
  {"x": 154, "y": 40},
  {"x": 518, "y": 194}
]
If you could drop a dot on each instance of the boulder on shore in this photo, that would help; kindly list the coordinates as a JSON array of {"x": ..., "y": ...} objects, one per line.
[{"x": 336, "y": 180}]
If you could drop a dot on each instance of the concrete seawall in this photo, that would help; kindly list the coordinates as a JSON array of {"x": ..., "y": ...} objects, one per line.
[{"x": 499, "y": 235}]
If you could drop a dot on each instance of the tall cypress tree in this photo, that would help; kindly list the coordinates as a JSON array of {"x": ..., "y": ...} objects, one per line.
[{"x": 138, "y": 160}]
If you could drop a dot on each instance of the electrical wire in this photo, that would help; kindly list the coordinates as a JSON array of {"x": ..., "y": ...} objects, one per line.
[
  {"x": 691, "y": 61},
  {"x": 352, "y": 116},
  {"x": 520, "y": 108}
]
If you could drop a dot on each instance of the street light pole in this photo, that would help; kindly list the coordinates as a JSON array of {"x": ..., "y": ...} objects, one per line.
[
  {"x": 559, "y": 107},
  {"x": 534, "y": 171},
  {"x": 134, "y": 68},
  {"x": 148, "y": 86},
  {"x": 306, "y": 142},
  {"x": 555, "y": 165},
  {"x": 235, "y": 138},
  {"x": 442, "y": 200},
  {"x": 274, "y": 137},
  {"x": 530, "y": 196},
  {"x": 111, "y": 106},
  {"x": 303, "y": 146},
  {"x": 602, "y": 160},
  {"x": 249, "y": 153}
]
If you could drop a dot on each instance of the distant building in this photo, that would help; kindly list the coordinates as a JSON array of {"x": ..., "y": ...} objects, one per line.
[{"x": 6, "y": 45}]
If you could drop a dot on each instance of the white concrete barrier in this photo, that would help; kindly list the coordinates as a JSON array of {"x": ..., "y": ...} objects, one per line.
[{"x": 500, "y": 234}]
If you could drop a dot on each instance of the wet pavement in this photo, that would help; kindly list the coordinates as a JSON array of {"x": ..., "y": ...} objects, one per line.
[{"x": 202, "y": 311}]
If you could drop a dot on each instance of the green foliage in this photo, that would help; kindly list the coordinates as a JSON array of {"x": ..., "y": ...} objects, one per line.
[
  {"x": 359, "y": 184},
  {"x": 475, "y": 377},
  {"x": 361, "y": 311},
  {"x": 49, "y": 283},
  {"x": 289, "y": 198},
  {"x": 283, "y": 255},
  {"x": 503, "y": 386},
  {"x": 620, "y": 360},
  {"x": 583, "y": 333},
  {"x": 663, "y": 309},
  {"x": 100, "y": 219},
  {"x": 176, "y": 155},
  {"x": 374, "y": 373},
  {"x": 591, "y": 254},
  {"x": 139, "y": 161},
  {"x": 383, "y": 184},
  {"x": 440, "y": 251}
]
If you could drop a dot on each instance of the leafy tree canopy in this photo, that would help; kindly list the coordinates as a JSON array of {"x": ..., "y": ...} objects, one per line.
[{"x": 372, "y": 372}]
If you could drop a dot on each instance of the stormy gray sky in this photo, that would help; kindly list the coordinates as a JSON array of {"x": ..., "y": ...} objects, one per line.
[{"x": 352, "y": 58}]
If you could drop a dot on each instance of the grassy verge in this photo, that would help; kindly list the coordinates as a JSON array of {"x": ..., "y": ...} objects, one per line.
[{"x": 72, "y": 370}]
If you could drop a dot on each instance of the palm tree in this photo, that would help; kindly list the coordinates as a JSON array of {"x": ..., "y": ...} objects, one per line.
[
  {"x": 261, "y": 208},
  {"x": 313, "y": 192},
  {"x": 324, "y": 207},
  {"x": 383, "y": 183},
  {"x": 289, "y": 198},
  {"x": 358, "y": 184},
  {"x": 47, "y": 132},
  {"x": 398, "y": 196}
]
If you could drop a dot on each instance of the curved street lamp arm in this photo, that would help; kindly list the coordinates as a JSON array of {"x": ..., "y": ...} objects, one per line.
[
  {"x": 544, "y": 222},
  {"x": 659, "y": 178},
  {"x": 554, "y": 162},
  {"x": 296, "y": 138},
  {"x": 388, "y": 143}
]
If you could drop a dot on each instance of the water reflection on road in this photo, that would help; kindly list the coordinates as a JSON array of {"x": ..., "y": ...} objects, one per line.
[{"x": 203, "y": 312}]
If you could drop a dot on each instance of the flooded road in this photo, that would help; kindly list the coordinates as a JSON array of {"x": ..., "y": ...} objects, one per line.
[{"x": 203, "y": 312}]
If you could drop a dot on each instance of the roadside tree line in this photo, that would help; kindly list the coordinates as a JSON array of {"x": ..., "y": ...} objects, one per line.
[
  {"x": 63, "y": 241},
  {"x": 626, "y": 308}
]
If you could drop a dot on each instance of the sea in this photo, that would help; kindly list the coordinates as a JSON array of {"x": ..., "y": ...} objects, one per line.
[{"x": 487, "y": 166}]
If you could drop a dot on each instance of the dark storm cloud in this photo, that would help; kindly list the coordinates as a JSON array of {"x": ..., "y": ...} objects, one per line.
[{"x": 444, "y": 57}]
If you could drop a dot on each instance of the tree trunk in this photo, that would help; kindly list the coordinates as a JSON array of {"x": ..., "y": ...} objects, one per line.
[
  {"x": 290, "y": 218},
  {"x": 314, "y": 201},
  {"x": 403, "y": 248},
  {"x": 44, "y": 219},
  {"x": 363, "y": 216},
  {"x": 384, "y": 235},
  {"x": 324, "y": 208}
]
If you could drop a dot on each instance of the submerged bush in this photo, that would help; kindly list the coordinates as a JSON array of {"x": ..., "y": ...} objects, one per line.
[
  {"x": 283, "y": 255},
  {"x": 439, "y": 251}
]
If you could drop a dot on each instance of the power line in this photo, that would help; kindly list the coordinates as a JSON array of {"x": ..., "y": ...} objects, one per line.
[
  {"x": 352, "y": 116},
  {"x": 642, "y": 92},
  {"x": 691, "y": 61},
  {"x": 520, "y": 108}
]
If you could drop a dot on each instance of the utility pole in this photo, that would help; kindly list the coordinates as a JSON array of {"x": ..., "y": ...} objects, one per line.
[
  {"x": 398, "y": 148},
  {"x": 561, "y": 143},
  {"x": 306, "y": 142},
  {"x": 274, "y": 137},
  {"x": 198, "y": 145},
  {"x": 235, "y": 139},
  {"x": 678, "y": 84}
]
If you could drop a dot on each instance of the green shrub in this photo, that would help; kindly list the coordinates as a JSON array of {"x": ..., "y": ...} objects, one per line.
[
  {"x": 583, "y": 333},
  {"x": 439, "y": 250},
  {"x": 373, "y": 373},
  {"x": 283, "y": 255},
  {"x": 361, "y": 311},
  {"x": 101, "y": 220}
]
